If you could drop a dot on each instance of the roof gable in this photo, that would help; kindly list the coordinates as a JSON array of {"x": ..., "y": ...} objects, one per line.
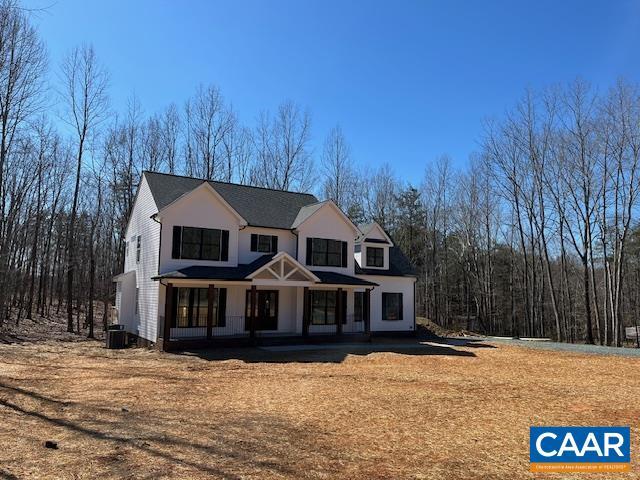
[
  {"x": 309, "y": 211},
  {"x": 206, "y": 186},
  {"x": 260, "y": 207},
  {"x": 374, "y": 233}
]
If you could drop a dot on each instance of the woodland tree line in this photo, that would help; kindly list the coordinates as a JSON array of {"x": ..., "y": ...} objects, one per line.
[{"x": 537, "y": 236}]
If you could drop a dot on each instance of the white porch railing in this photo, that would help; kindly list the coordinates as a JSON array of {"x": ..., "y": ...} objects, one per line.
[{"x": 238, "y": 326}]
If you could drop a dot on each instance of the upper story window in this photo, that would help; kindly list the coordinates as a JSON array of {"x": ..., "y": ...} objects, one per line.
[
  {"x": 375, "y": 257},
  {"x": 323, "y": 252},
  {"x": 138, "y": 247},
  {"x": 264, "y": 243},
  {"x": 200, "y": 243}
]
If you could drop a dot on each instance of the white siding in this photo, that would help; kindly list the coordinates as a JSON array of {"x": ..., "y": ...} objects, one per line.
[
  {"x": 327, "y": 223},
  {"x": 140, "y": 223},
  {"x": 200, "y": 208},
  {"x": 286, "y": 242},
  {"x": 388, "y": 284}
]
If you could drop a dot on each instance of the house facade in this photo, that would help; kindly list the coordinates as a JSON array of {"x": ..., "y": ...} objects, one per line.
[{"x": 208, "y": 261}]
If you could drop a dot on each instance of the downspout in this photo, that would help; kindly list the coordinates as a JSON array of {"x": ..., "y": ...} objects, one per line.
[{"x": 155, "y": 219}]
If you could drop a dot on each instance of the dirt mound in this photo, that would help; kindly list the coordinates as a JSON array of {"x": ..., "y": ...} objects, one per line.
[{"x": 429, "y": 329}]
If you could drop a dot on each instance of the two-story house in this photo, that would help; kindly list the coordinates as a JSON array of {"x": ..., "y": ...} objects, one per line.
[{"x": 208, "y": 261}]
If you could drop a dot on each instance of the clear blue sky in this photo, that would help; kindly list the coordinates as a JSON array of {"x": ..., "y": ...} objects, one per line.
[{"x": 407, "y": 81}]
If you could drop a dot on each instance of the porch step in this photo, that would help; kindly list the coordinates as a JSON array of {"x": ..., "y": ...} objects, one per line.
[{"x": 183, "y": 344}]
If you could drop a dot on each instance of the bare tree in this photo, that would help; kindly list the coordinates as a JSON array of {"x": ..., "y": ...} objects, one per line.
[
  {"x": 85, "y": 96},
  {"x": 209, "y": 121},
  {"x": 170, "y": 130},
  {"x": 22, "y": 67},
  {"x": 283, "y": 158},
  {"x": 337, "y": 169}
]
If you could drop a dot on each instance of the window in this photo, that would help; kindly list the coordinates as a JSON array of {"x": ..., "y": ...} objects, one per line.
[
  {"x": 264, "y": 243},
  {"x": 200, "y": 243},
  {"x": 192, "y": 307},
  {"x": 324, "y": 252},
  {"x": 358, "y": 306},
  {"x": 324, "y": 306},
  {"x": 392, "y": 306},
  {"x": 375, "y": 257},
  {"x": 138, "y": 247}
]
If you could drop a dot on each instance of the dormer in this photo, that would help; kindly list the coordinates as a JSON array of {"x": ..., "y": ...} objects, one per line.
[{"x": 372, "y": 247}]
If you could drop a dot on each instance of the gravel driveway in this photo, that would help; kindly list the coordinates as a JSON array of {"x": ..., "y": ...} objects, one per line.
[{"x": 545, "y": 345}]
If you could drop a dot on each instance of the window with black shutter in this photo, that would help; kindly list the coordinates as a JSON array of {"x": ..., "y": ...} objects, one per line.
[
  {"x": 264, "y": 243},
  {"x": 324, "y": 307},
  {"x": 194, "y": 243},
  {"x": 327, "y": 253},
  {"x": 192, "y": 307}
]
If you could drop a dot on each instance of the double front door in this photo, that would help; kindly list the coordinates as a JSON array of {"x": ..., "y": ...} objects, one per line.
[{"x": 265, "y": 311}]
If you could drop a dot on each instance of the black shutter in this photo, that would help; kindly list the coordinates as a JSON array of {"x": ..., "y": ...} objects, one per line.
[
  {"x": 274, "y": 243},
  {"x": 174, "y": 307},
  {"x": 222, "y": 307},
  {"x": 224, "y": 246},
  {"x": 309, "y": 250},
  {"x": 401, "y": 309},
  {"x": 175, "y": 246},
  {"x": 345, "y": 247},
  {"x": 384, "y": 306},
  {"x": 254, "y": 242},
  {"x": 343, "y": 306}
]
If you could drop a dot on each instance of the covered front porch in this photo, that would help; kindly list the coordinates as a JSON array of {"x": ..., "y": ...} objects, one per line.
[{"x": 280, "y": 301}]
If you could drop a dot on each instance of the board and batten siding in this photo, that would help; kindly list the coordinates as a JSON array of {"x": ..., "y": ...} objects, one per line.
[
  {"x": 286, "y": 242},
  {"x": 140, "y": 224},
  {"x": 198, "y": 208},
  {"x": 327, "y": 223}
]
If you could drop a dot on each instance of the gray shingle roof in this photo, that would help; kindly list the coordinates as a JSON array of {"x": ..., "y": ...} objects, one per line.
[
  {"x": 203, "y": 272},
  {"x": 340, "y": 279},
  {"x": 260, "y": 207},
  {"x": 399, "y": 266}
]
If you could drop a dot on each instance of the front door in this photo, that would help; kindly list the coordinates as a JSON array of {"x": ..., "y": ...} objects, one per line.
[{"x": 266, "y": 310}]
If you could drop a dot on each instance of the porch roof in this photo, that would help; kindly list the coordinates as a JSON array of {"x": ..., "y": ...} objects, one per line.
[
  {"x": 243, "y": 271},
  {"x": 334, "y": 278},
  {"x": 202, "y": 272}
]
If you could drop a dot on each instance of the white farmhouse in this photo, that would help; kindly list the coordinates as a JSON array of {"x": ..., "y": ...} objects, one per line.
[{"x": 212, "y": 263}]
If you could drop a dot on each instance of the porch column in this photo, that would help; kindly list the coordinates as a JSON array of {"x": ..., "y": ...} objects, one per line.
[
  {"x": 168, "y": 316},
  {"x": 367, "y": 311},
  {"x": 305, "y": 311},
  {"x": 252, "y": 316},
  {"x": 339, "y": 313},
  {"x": 210, "y": 298}
]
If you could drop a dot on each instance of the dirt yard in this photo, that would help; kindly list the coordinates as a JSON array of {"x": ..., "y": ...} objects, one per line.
[{"x": 437, "y": 412}]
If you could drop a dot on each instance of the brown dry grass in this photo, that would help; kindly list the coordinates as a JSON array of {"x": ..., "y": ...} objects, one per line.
[{"x": 443, "y": 413}]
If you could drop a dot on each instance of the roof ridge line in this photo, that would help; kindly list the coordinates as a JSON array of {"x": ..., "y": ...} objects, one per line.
[{"x": 230, "y": 183}]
